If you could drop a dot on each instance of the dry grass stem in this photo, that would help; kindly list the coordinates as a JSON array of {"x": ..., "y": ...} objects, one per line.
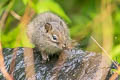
[
  {"x": 12, "y": 65},
  {"x": 14, "y": 14},
  {"x": 2, "y": 67},
  {"x": 104, "y": 51}
]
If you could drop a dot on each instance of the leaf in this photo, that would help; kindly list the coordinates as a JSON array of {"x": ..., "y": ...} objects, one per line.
[
  {"x": 25, "y": 1},
  {"x": 50, "y": 5},
  {"x": 16, "y": 38},
  {"x": 115, "y": 53},
  {"x": 113, "y": 70}
]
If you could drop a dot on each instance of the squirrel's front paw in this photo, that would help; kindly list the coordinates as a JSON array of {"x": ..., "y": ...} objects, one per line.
[{"x": 45, "y": 58}]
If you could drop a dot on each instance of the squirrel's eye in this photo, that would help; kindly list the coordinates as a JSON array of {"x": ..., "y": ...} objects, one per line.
[{"x": 54, "y": 37}]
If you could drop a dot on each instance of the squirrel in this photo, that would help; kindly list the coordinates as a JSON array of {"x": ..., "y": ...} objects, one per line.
[{"x": 49, "y": 33}]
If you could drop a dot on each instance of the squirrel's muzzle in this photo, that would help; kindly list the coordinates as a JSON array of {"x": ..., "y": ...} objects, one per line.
[{"x": 67, "y": 46}]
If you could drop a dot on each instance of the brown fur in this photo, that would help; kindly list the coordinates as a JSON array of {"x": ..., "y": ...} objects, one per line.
[{"x": 41, "y": 36}]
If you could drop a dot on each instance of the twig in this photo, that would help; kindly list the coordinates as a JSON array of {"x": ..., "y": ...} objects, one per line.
[
  {"x": 2, "y": 67},
  {"x": 12, "y": 65},
  {"x": 14, "y": 14},
  {"x": 28, "y": 52},
  {"x": 2, "y": 21},
  {"x": 104, "y": 50},
  {"x": 29, "y": 63},
  {"x": 5, "y": 14}
]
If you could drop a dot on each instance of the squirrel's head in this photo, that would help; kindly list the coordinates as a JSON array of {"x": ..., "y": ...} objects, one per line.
[{"x": 57, "y": 35}]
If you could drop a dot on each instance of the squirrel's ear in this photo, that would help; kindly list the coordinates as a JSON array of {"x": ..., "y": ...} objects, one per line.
[
  {"x": 61, "y": 23},
  {"x": 48, "y": 27}
]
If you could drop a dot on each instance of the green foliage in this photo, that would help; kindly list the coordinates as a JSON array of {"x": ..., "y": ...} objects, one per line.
[
  {"x": 81, "y": 24},
  {"x": 9, "y": 39},
  {"x": 115, "y": 53},
  {"x": 114, "y": 70},
  {"x": 16, "y": 38},
  {"x": 25, "y": 1},
  {"x": 116, "y": 21},
  {"x": 9, "y": 36},
  {"x": 50, "y": 5}
]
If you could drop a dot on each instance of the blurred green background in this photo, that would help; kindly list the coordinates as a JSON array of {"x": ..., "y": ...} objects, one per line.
[{"x": 85, "y": 18}]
